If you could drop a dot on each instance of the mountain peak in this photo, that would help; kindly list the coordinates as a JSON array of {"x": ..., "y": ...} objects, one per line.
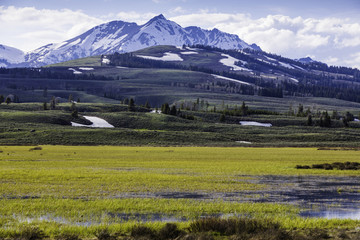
[
  {"x": 119, "y": 36},
  {"x": 157, "y": 18}
]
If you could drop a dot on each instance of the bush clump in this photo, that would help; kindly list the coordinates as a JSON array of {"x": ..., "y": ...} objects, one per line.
[
  {"x": 335, "y": 165},
  {"x": 35, "y": 148},
  {"x": 170, "y": 231},
  {"x": 143, "y": 232}
]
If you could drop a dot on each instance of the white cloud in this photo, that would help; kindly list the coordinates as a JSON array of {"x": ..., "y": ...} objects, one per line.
[
  {"x": 28, "y": 28},
  {"x": 291, "y": 37},
  {"x": 177, "y": 10},
  {"x": 139, "y": 18},
  {"x": 353, "y": 60},
  {"x": 311, "y": 41},
  {"x": 349, "y": 42},
  {"x": 331, "y": 60}
]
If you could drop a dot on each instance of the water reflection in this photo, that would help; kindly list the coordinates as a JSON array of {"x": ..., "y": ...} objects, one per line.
[{"x": 353, "y": 214}]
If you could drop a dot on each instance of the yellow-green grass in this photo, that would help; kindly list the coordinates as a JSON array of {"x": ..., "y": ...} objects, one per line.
[
  {"x": 83, "y": 183},
  {"x": 107, "y": 172}
]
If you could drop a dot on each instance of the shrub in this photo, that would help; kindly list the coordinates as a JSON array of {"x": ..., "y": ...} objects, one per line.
[
  {"x": 67, "y": 236},
  {"x": 143, "y": 231},
  {"x": 199, "y": 236},
  {"x": 318, "y": 234},
  {"x": 170, "y": 231},
  {"x": 104, "y": 234},
  {"x": 35, "y": 148},
  {"x": 302, "y": 167},
  {"x": 335, "y": 165}
]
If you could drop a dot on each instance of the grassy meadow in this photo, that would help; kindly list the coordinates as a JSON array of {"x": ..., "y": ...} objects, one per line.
[
  {"x": 29, "y": 124},
  {"x": 83, "y": 188}
]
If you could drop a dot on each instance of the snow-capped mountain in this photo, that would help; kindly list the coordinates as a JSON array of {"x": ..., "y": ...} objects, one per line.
[
  {"x": 10, "y": 56},
  {"x": 119, "y": 36}
]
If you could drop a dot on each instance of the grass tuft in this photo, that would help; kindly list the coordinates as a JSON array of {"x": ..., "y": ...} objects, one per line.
[{"x": 28, "y": 232}]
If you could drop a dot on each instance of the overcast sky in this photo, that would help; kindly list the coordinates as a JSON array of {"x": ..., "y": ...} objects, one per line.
[{"x": 327, "y": 31}]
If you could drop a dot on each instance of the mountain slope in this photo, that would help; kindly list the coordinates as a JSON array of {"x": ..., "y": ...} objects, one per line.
[
  {"x": 10, "y": 56},
  {"x": 119, "y": 36}
]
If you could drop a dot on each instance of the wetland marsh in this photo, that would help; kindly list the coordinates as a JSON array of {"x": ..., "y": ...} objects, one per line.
[{"x": 84, "y": 187}]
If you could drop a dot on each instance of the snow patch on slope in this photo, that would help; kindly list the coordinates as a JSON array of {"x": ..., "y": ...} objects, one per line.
[
  {"x": 295, "y": 80},
  {"x": 188, "y": 53},
  {"x": 229, "y": 61},
  {"x": 96, "y": 123},
  {"x": 243, "y": 142},
  {"x": 167, "y": 57},
  {"x": 251, "y": 123},
  {"x": 106, "y": 61},
  {"x": 230, "y": 79},
  {"x": 74, "y": 71},
  {"x": 86, "y": 68},
  {"x": 286, "y": 65}
]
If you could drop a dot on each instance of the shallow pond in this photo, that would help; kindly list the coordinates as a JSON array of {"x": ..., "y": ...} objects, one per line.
[
  {"x": 353, "y": 214},
  {"x": 319, "y": 196}
]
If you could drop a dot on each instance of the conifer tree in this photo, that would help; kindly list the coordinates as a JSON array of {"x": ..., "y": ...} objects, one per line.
[
  {"x": 165, "y": 109},
  {"x": 52, "y": 103},
  {"x": 8, "y": 100},
  {"x": 309, "y": 120},
  {"x": 147, "y": 104},
  {"x": 173, "y": 110},
  {"x": 222, "y": 118},
  {"x": 131, "y": 106},
  {"x": 243, "y": 109}
]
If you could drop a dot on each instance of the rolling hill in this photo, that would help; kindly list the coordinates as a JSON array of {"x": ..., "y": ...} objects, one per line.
[{"x": 172, "y": 74}]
